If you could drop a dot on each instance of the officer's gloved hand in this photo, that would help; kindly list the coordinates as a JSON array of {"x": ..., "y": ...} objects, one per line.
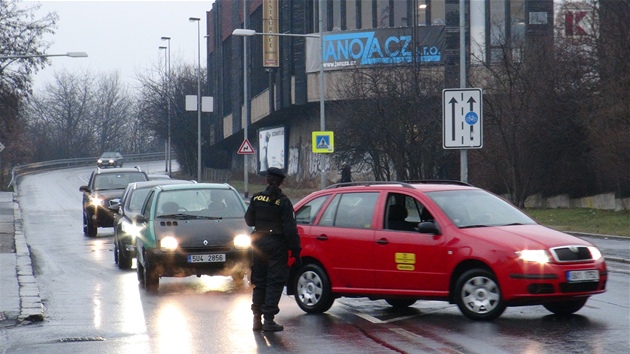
[{"x": 298, "y": 260}]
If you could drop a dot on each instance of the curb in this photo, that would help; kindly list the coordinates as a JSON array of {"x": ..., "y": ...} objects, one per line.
[{"x": 31, "y": 307}]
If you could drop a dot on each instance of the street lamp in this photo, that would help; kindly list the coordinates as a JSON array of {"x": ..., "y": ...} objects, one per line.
[
  {"x": 168, "y": 98},
  {"x": 198, "y": 20},
  {"x": 322, "y": 114},
  {"x": 68, "y": 54}
]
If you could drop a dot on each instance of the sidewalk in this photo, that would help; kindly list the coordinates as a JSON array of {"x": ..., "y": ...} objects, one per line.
[{"x": 19, "y": 294}]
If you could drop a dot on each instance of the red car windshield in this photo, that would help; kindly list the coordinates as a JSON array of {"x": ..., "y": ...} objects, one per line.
[{"x": 477, "y": 208}]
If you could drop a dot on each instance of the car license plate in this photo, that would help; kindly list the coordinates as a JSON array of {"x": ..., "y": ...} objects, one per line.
[
  {"x": 205, "y": 258},
  {"x": 576, "y": 276}
]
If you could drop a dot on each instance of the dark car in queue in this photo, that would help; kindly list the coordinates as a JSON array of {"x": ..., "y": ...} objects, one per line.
[
  {"x": 125, "y": 230},
  {"x": 437, "y": 240},
  {"x": 102, "y": 194},
  {"x": 110, "y": 159},
  {"x": 192, "y": 229}
]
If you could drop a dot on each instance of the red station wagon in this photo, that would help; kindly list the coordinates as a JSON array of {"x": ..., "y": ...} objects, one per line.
[{"x": 437, "y": 240}]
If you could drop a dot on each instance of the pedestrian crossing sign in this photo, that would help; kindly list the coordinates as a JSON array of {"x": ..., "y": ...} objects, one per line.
[{"x": 323, "y": 142}]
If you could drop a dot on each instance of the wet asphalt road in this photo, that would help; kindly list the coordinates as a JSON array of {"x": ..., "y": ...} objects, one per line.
[{"x": 93, "y": 307}]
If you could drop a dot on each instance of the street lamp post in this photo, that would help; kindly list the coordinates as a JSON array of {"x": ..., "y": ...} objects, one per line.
[
  {"x": 68, "y": 54},
  {"x": 198, "y": 20},
  {"x": 322, "y": 113},
  {"x": 168, "y": 98},
  {"x": 245, "y": 105}
]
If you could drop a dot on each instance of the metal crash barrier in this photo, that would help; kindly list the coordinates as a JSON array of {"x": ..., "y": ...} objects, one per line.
[{"x": 20, "y": 170}]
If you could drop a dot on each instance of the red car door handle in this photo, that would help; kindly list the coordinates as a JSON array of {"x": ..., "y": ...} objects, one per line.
[
  {"x": 382, "y": 241},
  {"x": 322, "y": 237}
]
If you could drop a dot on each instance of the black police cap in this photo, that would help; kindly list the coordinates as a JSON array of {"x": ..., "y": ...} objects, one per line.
[{"x": 274, "y": 171}]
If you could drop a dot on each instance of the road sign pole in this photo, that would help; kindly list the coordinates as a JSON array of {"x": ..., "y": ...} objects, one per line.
[{"x": 463, "y": 155}]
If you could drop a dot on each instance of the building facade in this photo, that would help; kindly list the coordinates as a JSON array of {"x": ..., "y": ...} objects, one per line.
[{"x": 283, "y": 71}]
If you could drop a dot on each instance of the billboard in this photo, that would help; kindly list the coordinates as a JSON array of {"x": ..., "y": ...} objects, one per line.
[
  {"x": 271, "y": 148},
  {"x": 384, "y": 46}
]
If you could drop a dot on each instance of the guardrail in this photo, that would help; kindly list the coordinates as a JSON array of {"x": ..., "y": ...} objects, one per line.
[{"x": 20, "y": 170}]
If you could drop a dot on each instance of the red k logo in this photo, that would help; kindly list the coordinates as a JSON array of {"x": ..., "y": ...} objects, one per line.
[{"x": 574, "y": 23}]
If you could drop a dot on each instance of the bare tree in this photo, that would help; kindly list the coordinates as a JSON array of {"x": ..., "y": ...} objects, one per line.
[
  {"x": 153, "y": 110},
  {"x": 112, "y": 110},
  {"x": 20, "y": 33},
  {"x": 391, "y": 121},
  {"x": 81, "y": 115},
  {"x": 609, "y": 115},
  {"x": 62, "y": 118}
]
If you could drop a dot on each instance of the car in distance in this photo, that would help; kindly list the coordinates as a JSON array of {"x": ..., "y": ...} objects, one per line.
[
  {"x": 102, "y": 195},
  {"x": 125, "y": 230},
  {"x": 110, "y": 159},
  {"x": 192, "y": 229},
  {"x": 438, "y": 240}
]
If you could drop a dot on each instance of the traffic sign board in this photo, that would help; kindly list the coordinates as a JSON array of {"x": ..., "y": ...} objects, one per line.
[
  {"x": 323, "y": 142},
  {"x": 1, "y": 147},
  {"x": 246, "y": 148},
  {"x": 462, "y": 118}
]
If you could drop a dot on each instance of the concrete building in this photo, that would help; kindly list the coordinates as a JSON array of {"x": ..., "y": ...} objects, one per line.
[{"x": 283, "y": 71}]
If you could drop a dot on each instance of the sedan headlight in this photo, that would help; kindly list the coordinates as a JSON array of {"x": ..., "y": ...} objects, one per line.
[
  {"x": 538, "y": 256},
  {"x": 242, "y": 241},
  {"x": 96, "y": 201},
  {"x": 130, "y": 229},
  {"x": 99, "y": 161},
  {"x": 168, "y": 243},
  {"x": 595, "y": 253}
]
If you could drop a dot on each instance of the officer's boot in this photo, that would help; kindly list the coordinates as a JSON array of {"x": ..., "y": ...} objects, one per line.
[
  {"x": 270, "y": 325},
  {"x": 257, "y": 323}
]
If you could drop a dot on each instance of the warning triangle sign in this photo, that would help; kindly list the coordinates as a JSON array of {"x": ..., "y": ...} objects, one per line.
[{"x": 246, "y": 148}]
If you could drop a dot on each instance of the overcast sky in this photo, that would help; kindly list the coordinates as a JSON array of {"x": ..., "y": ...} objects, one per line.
[{"x": 121, "y": 36}]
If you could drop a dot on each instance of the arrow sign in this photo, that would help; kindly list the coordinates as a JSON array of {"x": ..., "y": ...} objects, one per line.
[
  {"x": 246, "y": 148},
  {"x": 1, "y": 147},
  {"x": 462, "y": 118}
]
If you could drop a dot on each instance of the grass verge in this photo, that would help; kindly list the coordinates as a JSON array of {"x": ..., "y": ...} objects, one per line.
[{"x": 595, "y": 221}]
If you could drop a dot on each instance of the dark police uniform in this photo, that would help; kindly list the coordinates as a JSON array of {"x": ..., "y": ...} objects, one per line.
[{"x": 274, "y": 235}]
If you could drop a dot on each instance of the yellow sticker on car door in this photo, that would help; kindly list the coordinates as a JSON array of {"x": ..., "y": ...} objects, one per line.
[{"x": 405, "y": 261}]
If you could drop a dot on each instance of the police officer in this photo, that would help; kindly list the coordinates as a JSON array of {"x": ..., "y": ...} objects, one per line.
[{"x": 275, "y": 234}]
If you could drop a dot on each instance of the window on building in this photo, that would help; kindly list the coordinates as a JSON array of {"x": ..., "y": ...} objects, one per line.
[
  {"x": 421, "y": 11},
  {"x": 436, "y": 11},
  {"x": 399, "y": 13},
  {"x": 366, "y": 14},
  {"x": 383, "y": 13},
  {"x": 351, "y": 14},
  {"x": 497, "y": 29},
  {"x": 517, "y": 17},
  {"x": 478, "y": 32},
  {"x": 336, "y": 12}
]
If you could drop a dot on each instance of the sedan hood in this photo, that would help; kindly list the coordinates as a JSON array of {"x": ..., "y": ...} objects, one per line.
[
  {"x": 202, "y": 233},
  {"x": 524, "y": 236}
]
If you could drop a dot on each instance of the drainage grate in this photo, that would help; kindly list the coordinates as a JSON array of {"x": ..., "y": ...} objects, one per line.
[{"x": 82, "y": 339}]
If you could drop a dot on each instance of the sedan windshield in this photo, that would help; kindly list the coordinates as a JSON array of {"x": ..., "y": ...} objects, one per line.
[
  {"x": 477, "y": 208},
  {"x": 117, "y": 181},
  {"x": 206, "y": 203}
]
